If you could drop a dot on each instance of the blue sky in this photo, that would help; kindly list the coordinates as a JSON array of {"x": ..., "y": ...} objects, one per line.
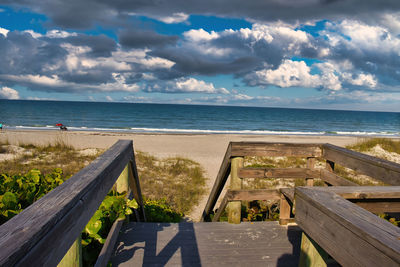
[{"x": 305, "y": 54}]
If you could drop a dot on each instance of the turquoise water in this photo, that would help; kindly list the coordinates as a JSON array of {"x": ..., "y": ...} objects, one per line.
[{"x": 86, "y": 116}]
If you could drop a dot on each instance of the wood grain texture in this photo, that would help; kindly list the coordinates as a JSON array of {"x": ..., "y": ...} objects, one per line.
[
  {"x": 289, "y": 173},
  {"x": 221, "y": 209},
  {"x": 350, "y": 234},
  {"x": 241, "y": 149},
  {"x": 383, "y": 170},
  {"x": 134, "y": 185},
  {"x": 219, "y": 184},
  {"x": 59, "y": 217},
  {"x": 253, "y": 194},
  {"x": 108, "y": 247},
  {"x": 208, "y": 244},
  {"x": 364, "y": 192},
  {"x": 334, "y": 179}
]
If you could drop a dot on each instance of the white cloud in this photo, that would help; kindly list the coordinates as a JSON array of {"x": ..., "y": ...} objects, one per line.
[
  {"x": 4, "y": 31},
  {"x": 60, "y": 34},
  {"x": 56, "y": 84},
  {"x": 109, "y": 98},
  {"x": 175, "y": 18},
  {"x": 9, "y": 93},
  {"x": 187, "y": 85}
]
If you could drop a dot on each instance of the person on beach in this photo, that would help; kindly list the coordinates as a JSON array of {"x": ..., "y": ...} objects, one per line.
[{"x": 1, "y": 126}]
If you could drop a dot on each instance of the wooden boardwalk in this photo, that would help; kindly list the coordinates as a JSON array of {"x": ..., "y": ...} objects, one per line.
[{"x": 207, "y": 244}]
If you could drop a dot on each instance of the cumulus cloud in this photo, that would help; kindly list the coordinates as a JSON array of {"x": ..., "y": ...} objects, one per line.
[
  {"x": 145, "y": 39},
  {"x": 9, "y": 93},
  {"x": 186, "y": 85}
]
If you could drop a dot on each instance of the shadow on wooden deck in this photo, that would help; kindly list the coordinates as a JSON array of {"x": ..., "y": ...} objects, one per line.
[{"x": 207, "y": 244}]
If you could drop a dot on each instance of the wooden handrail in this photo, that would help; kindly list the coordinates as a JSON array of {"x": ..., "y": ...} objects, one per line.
[
  {"x": 383, "y": 170},
  {"x": 42, "y": 233},
  {"x": 219, "y": 184},
  {"x": 350, "y": 234},
  {"x": 268, "y": 149}
]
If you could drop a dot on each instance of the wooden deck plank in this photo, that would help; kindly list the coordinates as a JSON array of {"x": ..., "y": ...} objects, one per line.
[{"x": 207, "y": 244}]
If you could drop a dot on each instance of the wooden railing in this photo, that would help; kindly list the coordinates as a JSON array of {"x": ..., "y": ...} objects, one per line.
[
  {"x": 43, "y": 233},
  {"x": 232, "y": 164},
  {"x": 350, "y": 234}
]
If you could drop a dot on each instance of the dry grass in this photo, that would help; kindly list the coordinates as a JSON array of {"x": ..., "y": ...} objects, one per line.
[
  {"x": 45, "y": 158},
  {"x": 387, "y": 144},
  {"x": 179, "y": 181}
]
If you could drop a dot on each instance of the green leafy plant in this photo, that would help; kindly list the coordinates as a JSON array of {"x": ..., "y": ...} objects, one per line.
[{"x": 160, "y": 211}]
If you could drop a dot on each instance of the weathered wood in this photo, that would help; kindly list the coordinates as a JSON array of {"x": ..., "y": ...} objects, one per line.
[
  {"x": 219, "y": 183},
  {"x": 350, "y": 234},
  {"x": 284, "y": 210},
  {"x": 288, "y": 193},
  {"x": 334, "y": 179},
  {"x": 311, "y": 254},
  {"x": 208, "y": 244},
  {"x": 253, "y": 194},
  {"x": 289, "y": 173},
  {"x": 386, "y": 171},
  {"x": 364, "y": 192},
  {"x": 378, "y": 206},
  {"x": 135, "y": 187},
  {"x": 310, "y": 166},
  {"x": 241, "y": 149},
  {"x": 122, "y": 183},
  {"x": 221, "y": 209},
  {"x": 73, "y": 258},
  {"x": 59, "y": 217},
  {"x": 235, "y": 206},
  {"x": 108, "y": 247}
]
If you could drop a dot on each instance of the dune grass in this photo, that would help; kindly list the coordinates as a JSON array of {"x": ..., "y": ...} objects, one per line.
[
  {"x": 45, "y": 158},
  {"x": 180, "y": 181},
  {"x": 387, "y": 144}
]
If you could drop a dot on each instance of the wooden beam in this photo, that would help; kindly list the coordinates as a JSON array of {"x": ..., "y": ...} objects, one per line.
[
  {"x": 108, "y": 247},
  {"x": 219, "y": 184},
  {"x": 241, "y": 149},
  {"x": 253, "y": 194},
  {"x": 235, "y": 206},
  {"x": 334, "y": 179},
  {"x": 288, "y": 193},
  {"x": 350, "y": 234},
  {"x": 221, "y": 209},
  {"x": 310, "y": 167},
  {"x": 364, "y": 192},
  {"x": 42, "y": 233},
  {"x": 135, "y": 187},
  {"x": 291, "y": 173},
  {"x": 383, "y": 170},
  {"x": 378, "y": 205}
]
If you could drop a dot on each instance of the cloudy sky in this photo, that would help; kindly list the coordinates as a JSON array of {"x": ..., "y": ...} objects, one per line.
[{"x": 335, "y": 54}]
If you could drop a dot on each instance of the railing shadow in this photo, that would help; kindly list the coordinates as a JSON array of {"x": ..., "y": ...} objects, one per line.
[
  {"x": 294, "y": 237},
  {"x": 144, "y": 242}
]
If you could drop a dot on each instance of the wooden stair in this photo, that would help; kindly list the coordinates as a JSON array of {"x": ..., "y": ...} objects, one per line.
[{"x": 207, "y": 244}]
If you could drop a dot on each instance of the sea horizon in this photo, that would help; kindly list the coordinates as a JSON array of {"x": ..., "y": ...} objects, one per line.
[{"x": 194, "y": 119}]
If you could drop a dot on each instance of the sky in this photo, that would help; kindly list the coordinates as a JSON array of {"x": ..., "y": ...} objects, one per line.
[{"x": 329, "y": 54}]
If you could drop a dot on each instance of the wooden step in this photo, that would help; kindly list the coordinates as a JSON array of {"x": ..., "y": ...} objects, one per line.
[{"x": 207, "y": 244}]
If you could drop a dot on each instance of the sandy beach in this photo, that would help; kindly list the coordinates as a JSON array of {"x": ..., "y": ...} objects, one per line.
[{"x": 208, "y": 150}]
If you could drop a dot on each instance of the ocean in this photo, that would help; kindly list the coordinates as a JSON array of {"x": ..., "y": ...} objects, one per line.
[{"x": 194, "y": 119}]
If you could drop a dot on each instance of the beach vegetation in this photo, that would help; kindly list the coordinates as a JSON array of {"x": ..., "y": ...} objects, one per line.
[
  {"x": 365, "y": 145},
  {"x": 178, "y": 181}
]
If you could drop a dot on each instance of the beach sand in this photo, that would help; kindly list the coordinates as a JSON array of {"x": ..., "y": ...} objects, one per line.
[{"x": 207, "y": 149}]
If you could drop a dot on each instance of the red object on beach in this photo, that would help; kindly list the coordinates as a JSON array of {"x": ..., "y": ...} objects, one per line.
[{"x": 59, "y": 124}]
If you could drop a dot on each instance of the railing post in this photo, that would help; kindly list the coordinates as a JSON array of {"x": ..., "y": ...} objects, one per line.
[
  {"x": 311, "y": 254},
  {"x": 234, "y": 208},
  {"x": 330, "y": 167},
  {"x": 284, "y": 210},
  {"x": 73, "y": 257},
  {"x": 310, "y": 165},
  {"x": 122, "y": 183}
]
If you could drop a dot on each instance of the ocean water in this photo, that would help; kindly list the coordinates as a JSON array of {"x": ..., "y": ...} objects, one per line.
[{"x": 170, "y": 118}]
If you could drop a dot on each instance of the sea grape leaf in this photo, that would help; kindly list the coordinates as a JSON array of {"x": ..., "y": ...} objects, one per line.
[
  {"x": 99, "y": 238},
  {"x": 132, "y": 204},
  {"x": 34, "y": 175},
  {"x": 10, "y": 201},
  {"x": 93, "y": 227}
]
